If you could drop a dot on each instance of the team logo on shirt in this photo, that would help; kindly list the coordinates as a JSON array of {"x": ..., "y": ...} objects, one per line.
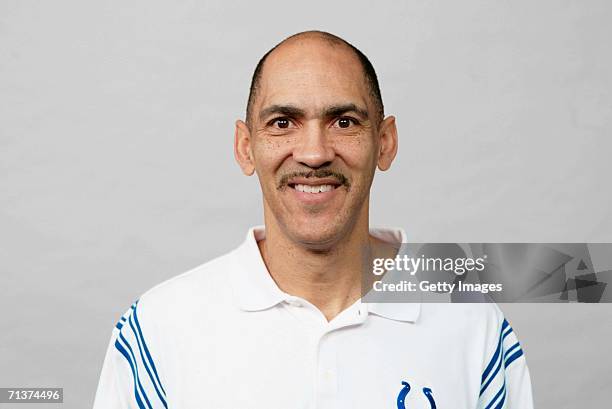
[{"x": 401, "y": 398}]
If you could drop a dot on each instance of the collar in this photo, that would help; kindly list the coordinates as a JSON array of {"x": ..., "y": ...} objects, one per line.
[{"x": 255, "y": 290}]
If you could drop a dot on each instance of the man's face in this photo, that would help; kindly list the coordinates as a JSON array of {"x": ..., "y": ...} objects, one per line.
[{"x": 314, "y": 140}]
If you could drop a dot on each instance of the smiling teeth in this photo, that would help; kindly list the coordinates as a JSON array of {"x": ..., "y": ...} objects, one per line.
[{"x": 314, "y": 189}]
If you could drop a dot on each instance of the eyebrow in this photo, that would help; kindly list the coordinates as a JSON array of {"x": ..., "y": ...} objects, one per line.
[
  {"x": 327, "y": 112},
  {"x": 337, "y": 110},
  {"x": 285, "y": 110}
]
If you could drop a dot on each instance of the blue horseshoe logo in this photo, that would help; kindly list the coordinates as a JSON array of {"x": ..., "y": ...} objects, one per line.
[
  {"x": 401, "y": 398},
  {"x": 430, "y": 398},
  {"x": 402, "y": 395}
]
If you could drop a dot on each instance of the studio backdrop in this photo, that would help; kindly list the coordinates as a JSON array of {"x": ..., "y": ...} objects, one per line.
[{"x": 117, "y": 168}]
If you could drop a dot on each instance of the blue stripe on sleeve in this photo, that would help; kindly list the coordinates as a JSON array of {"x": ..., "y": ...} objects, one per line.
[
  {"x": 497, "y": 395},
  {"x": 161, "y": 398},
  {"x": 488, "y": 382},
  {"x": 135, "y": 370},
  {"x": 501, "y": 391},
  {"x": 514, "y": 357},
  {"x": 496, "y": 358},
  {"x": 121, "y": 349},
  {"x": 501, "y": 403},
  {"x": 507, "y": 333},
  {"x": 146, "y": 349},
  {"x": 512, "y": 348},
  {"x": 130, "y": 321},
  {"x": 493, "y": 360},
  {"x": 502, "y": 358}
]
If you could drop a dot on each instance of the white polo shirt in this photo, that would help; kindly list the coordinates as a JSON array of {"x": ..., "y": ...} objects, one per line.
[{"x": 223, "y": 335}]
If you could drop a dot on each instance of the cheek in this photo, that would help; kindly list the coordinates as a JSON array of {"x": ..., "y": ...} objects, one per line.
[
  {"x": 359, "y": 153},
  {"x": 269, "y": 154}
]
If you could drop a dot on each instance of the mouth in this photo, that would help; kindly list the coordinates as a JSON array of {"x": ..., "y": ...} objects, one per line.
[
  {"x": 315, "y": 181},
  {"x": 314, "y": 191},
  {"x": 314, "y": 185}
]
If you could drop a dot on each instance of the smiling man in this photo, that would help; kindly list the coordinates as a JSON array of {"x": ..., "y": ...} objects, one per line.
[
  {"x": 314, "y": 135},
  {"x": 279, "y": 322}
]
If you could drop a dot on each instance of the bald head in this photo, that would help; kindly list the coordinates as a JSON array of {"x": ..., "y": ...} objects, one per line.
[{"x": 369, "y": 74}]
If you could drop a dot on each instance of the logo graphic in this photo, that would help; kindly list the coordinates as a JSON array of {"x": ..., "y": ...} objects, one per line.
[
  {"x": 430, "y": 398},
  {"x": 401, "y": 397}
]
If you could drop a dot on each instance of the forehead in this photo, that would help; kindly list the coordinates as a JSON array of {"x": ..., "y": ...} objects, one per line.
[{"x": 312, "y": 73}]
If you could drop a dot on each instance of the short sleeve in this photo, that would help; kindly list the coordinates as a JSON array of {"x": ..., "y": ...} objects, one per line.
[
  {"x": 130, "y": 376},
  {"x": 505, "y": 381}
]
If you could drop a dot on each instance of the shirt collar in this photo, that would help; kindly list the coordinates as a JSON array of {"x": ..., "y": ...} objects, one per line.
[
  {"x": 257, "y": 291},
  {"x": 255, "y": 288}
]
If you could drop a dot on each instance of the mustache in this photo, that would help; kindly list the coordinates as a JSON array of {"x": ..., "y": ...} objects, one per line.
[{"x": 317, "y": 173}]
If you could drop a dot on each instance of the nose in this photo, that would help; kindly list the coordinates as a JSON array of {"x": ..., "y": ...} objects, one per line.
[{"x": 314, "y": 149}]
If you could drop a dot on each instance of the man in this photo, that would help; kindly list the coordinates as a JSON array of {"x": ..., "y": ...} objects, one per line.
[{"x": 279, "y": 322}]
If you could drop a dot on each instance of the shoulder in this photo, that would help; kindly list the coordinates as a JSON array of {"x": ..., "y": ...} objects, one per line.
[
  {"x": 472, "y": 327},
  {"x": 203, "y": 288},
  {"x": 145, "y": 333},
  {"x": 486, "y": 317}
]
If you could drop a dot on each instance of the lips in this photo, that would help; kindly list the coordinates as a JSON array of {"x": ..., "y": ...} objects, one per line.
[
  {"x": 314, "y": 188},
  {"x": 313, "y": 185},
  {"x": 313, "y": 191},
  {"x": 314, "y": 181}
]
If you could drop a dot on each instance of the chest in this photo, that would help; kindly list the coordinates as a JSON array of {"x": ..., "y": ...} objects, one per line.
[{"x": 293, "y": 366}]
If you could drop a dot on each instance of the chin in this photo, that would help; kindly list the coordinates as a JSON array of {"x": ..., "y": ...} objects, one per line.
[{"x": 317, "y": 233}]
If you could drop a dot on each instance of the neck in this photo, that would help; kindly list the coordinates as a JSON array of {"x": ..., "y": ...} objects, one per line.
[{"x": 329, "y": 278}]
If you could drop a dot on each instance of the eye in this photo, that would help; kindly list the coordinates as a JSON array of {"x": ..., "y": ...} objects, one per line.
[
  {"x": 280, "y": 123},
  {"x": 345, "y": 122}
]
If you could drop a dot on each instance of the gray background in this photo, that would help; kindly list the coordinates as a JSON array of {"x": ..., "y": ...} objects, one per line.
[{"x": 116, "y": 166}]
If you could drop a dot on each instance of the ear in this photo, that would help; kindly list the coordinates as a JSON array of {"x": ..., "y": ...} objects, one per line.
[
  {"x": 388, "y": 143},
  {"x": 242, "y": 148}
]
